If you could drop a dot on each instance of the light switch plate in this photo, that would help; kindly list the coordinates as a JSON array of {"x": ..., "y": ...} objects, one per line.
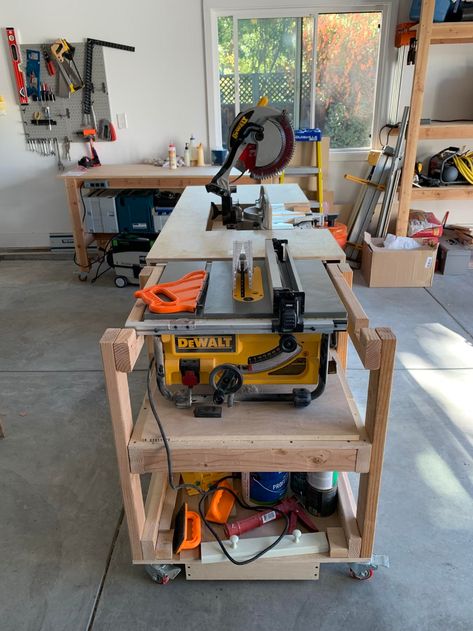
[{"x": 122, "y": 121}]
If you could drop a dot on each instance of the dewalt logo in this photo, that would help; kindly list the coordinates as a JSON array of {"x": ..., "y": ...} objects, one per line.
[
  {"x": 204, "y": 343},
  {"x": 243, "y": 120}
]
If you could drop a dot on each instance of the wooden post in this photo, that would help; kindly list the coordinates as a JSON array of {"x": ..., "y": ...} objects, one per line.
[
  {"x": 75, "y": 211},
  {"x": 122, "y": 422},
  {"x": 415, "y": 114},
  {"x": 377, "y": 411},
  {"x": 342, "y": 345}
]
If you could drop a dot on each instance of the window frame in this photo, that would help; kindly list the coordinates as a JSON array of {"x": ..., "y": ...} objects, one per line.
[{"x": 213, "y": 9}]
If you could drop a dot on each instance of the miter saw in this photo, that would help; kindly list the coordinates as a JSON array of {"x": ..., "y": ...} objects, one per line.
[{"x": 261, "y": 141}]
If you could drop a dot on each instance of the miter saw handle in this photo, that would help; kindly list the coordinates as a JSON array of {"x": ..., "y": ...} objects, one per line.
[{"x": 220, "y": 183}]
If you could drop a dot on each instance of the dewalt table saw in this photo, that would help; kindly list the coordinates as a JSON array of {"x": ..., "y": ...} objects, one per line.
[{"x": 239, "y": 325}]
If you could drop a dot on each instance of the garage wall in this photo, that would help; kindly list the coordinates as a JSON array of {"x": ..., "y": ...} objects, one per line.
[
  {"x": 169, "y": 105},
  {"x": 164, "y": 98}
]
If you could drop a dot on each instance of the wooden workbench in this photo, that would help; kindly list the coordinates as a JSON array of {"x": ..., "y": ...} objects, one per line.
[
  {"x": 186, "y": 235},
  {"x": 124, "y": 176}
]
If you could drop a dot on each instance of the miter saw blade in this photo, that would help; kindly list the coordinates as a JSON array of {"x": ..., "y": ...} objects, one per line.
[{"x": 276, "y": 149}]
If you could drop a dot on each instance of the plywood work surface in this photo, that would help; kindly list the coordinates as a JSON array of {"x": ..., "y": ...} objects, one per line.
[
  {"x": 185, "y": 235},
  {"x": 270, "y": 423}
]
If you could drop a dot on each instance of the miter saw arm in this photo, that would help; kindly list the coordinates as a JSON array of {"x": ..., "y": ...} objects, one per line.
[{"x": 261, "y": 141}]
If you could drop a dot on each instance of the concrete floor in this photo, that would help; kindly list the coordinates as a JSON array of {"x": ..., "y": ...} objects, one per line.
[{"x": 64, "y": 556}]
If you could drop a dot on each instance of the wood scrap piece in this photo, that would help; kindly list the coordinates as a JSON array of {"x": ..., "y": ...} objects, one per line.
[
  {"x": 163, "y": 549},
  {"x": 347, "y": 513},
  {"x": 337, "y": 542},
  {"x": 153, "y": 508}
]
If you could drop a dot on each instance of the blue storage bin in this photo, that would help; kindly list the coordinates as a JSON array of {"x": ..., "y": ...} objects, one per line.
[{"x": 440, "y": 13}]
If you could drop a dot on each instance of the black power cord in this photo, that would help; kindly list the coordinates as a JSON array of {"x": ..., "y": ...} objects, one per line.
[{"x": 213, "y": 489}]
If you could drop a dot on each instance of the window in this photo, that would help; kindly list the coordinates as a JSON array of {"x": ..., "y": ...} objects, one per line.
[{"x": 322, "y": 69}]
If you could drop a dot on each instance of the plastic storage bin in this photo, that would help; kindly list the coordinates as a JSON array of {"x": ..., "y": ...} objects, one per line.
[{"x": 440, "y": 13}]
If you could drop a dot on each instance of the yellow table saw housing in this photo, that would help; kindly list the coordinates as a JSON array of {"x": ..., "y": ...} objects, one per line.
[{"x": 260, "y": 358}]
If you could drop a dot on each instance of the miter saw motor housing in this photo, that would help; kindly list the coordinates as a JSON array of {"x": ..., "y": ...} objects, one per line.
[{"x": 261, "y": 141}]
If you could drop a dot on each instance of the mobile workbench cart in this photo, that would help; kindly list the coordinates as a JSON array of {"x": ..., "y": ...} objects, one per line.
[{"x": 327, "y": 435}]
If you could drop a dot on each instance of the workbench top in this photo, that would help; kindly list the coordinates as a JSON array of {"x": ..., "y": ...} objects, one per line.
[
  {"x": 130, "y": 171},
  {"x": 186, "y": 237}
]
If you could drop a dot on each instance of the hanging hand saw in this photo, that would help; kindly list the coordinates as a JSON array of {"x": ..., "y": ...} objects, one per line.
[
  {"x": 89, "y": 57},
  {"x": 63, "y": 53},
  {"x": 16, "y": 62}
]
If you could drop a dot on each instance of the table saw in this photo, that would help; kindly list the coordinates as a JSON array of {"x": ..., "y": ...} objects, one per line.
[{"x": 226, "y": 330}]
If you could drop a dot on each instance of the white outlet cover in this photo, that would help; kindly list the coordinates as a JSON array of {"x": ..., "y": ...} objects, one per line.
[{"x": 122, "y": 121}]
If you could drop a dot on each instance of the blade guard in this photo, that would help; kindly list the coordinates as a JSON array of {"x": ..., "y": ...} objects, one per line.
[{"x": 182, "y": 294}]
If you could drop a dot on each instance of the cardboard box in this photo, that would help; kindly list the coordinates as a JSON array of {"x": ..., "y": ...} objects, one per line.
[
  {"x": 397, "y": 268},
  {"x": 453, "y": 256}
]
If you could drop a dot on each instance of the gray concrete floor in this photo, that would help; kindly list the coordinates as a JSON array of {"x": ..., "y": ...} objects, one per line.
[{"x": 64, "y": 555}]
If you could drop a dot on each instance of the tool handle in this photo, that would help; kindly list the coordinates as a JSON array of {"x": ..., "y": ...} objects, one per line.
[{"x": 250, "y": 523}]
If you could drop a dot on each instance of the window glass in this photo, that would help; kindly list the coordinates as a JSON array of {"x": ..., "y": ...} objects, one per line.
[
  {"x": 276, "y": 57},
  {"x": 226, "y": 66},
  {"x": 347, "y": 66}
]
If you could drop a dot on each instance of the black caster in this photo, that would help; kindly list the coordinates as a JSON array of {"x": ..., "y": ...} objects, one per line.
[{"x": 121, "y": 281}]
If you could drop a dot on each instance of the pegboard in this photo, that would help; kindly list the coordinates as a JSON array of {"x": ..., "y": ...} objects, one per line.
[{"x": 66, "y": 126}]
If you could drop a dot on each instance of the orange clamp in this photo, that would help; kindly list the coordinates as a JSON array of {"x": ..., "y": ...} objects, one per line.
[{"x": 175, "y": 296}]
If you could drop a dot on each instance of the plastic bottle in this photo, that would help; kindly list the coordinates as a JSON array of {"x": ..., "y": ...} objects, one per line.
[
  {"x": 200, "y": 155},
  {"x": 172, "y": 156},
  {"x": 192, "y": 151},
  {"x": 187, "y": 155}
]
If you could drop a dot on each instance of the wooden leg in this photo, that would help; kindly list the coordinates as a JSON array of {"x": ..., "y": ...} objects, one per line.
[
  {"x": 377, "y": 412},
  {"x": 122, "y": 422},
  {"x": 76, "y": 211},
  {"x": 342, "y": 345}
]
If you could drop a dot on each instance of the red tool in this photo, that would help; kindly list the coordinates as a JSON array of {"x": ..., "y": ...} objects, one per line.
[
  {"x": 16, "y": 62},
  {"x": 290, "y": 507},
  {"x": 93, "y": 161},
  {"x": 48, "y": 61}
]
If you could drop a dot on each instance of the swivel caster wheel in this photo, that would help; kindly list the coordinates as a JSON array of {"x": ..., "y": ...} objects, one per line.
[
  {"x": 361, "y": 575},
  {"x": 162, "y": 574},
  {"x": 121, "y": 281}
]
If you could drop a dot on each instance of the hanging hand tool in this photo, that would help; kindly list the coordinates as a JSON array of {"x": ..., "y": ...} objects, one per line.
[
  {"x": 66, "y": 147},
  {"x": 93, "y": 161},
  {"x": 88, "y": 85},
  {"x": 48, "y": 61},
  {"x": 60, "y": 164},
  {"x": 107, "y": 130},
  {"x": 16, "y": 62},
  {"x": 63, "y": 53}
]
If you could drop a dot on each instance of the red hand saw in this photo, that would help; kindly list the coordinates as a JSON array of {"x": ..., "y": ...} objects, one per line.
[{"x": 16, "y": 62}]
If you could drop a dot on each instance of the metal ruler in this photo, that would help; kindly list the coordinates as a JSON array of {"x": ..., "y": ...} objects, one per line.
[{"x": 89, "y": 55}]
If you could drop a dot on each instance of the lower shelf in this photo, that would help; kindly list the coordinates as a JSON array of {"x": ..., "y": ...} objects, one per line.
[{"x": 162, "y": 503}]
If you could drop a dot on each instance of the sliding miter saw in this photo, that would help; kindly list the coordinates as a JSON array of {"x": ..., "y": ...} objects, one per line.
[{"x": 261, "y": 141}]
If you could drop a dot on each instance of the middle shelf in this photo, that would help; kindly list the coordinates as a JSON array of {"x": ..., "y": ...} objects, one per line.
[{"x": 326, "y": 435}]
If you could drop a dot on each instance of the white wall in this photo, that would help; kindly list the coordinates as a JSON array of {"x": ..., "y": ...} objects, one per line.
[{"x": 161, "y": 87}]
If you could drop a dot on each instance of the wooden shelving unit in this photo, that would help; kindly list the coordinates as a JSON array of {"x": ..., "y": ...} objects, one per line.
[
  {"x": 429, "y": 33},
  {"x": 329, "y": 434}
]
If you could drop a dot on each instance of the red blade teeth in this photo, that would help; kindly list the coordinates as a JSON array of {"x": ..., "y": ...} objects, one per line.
[{"x": 287, "y": 134}]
